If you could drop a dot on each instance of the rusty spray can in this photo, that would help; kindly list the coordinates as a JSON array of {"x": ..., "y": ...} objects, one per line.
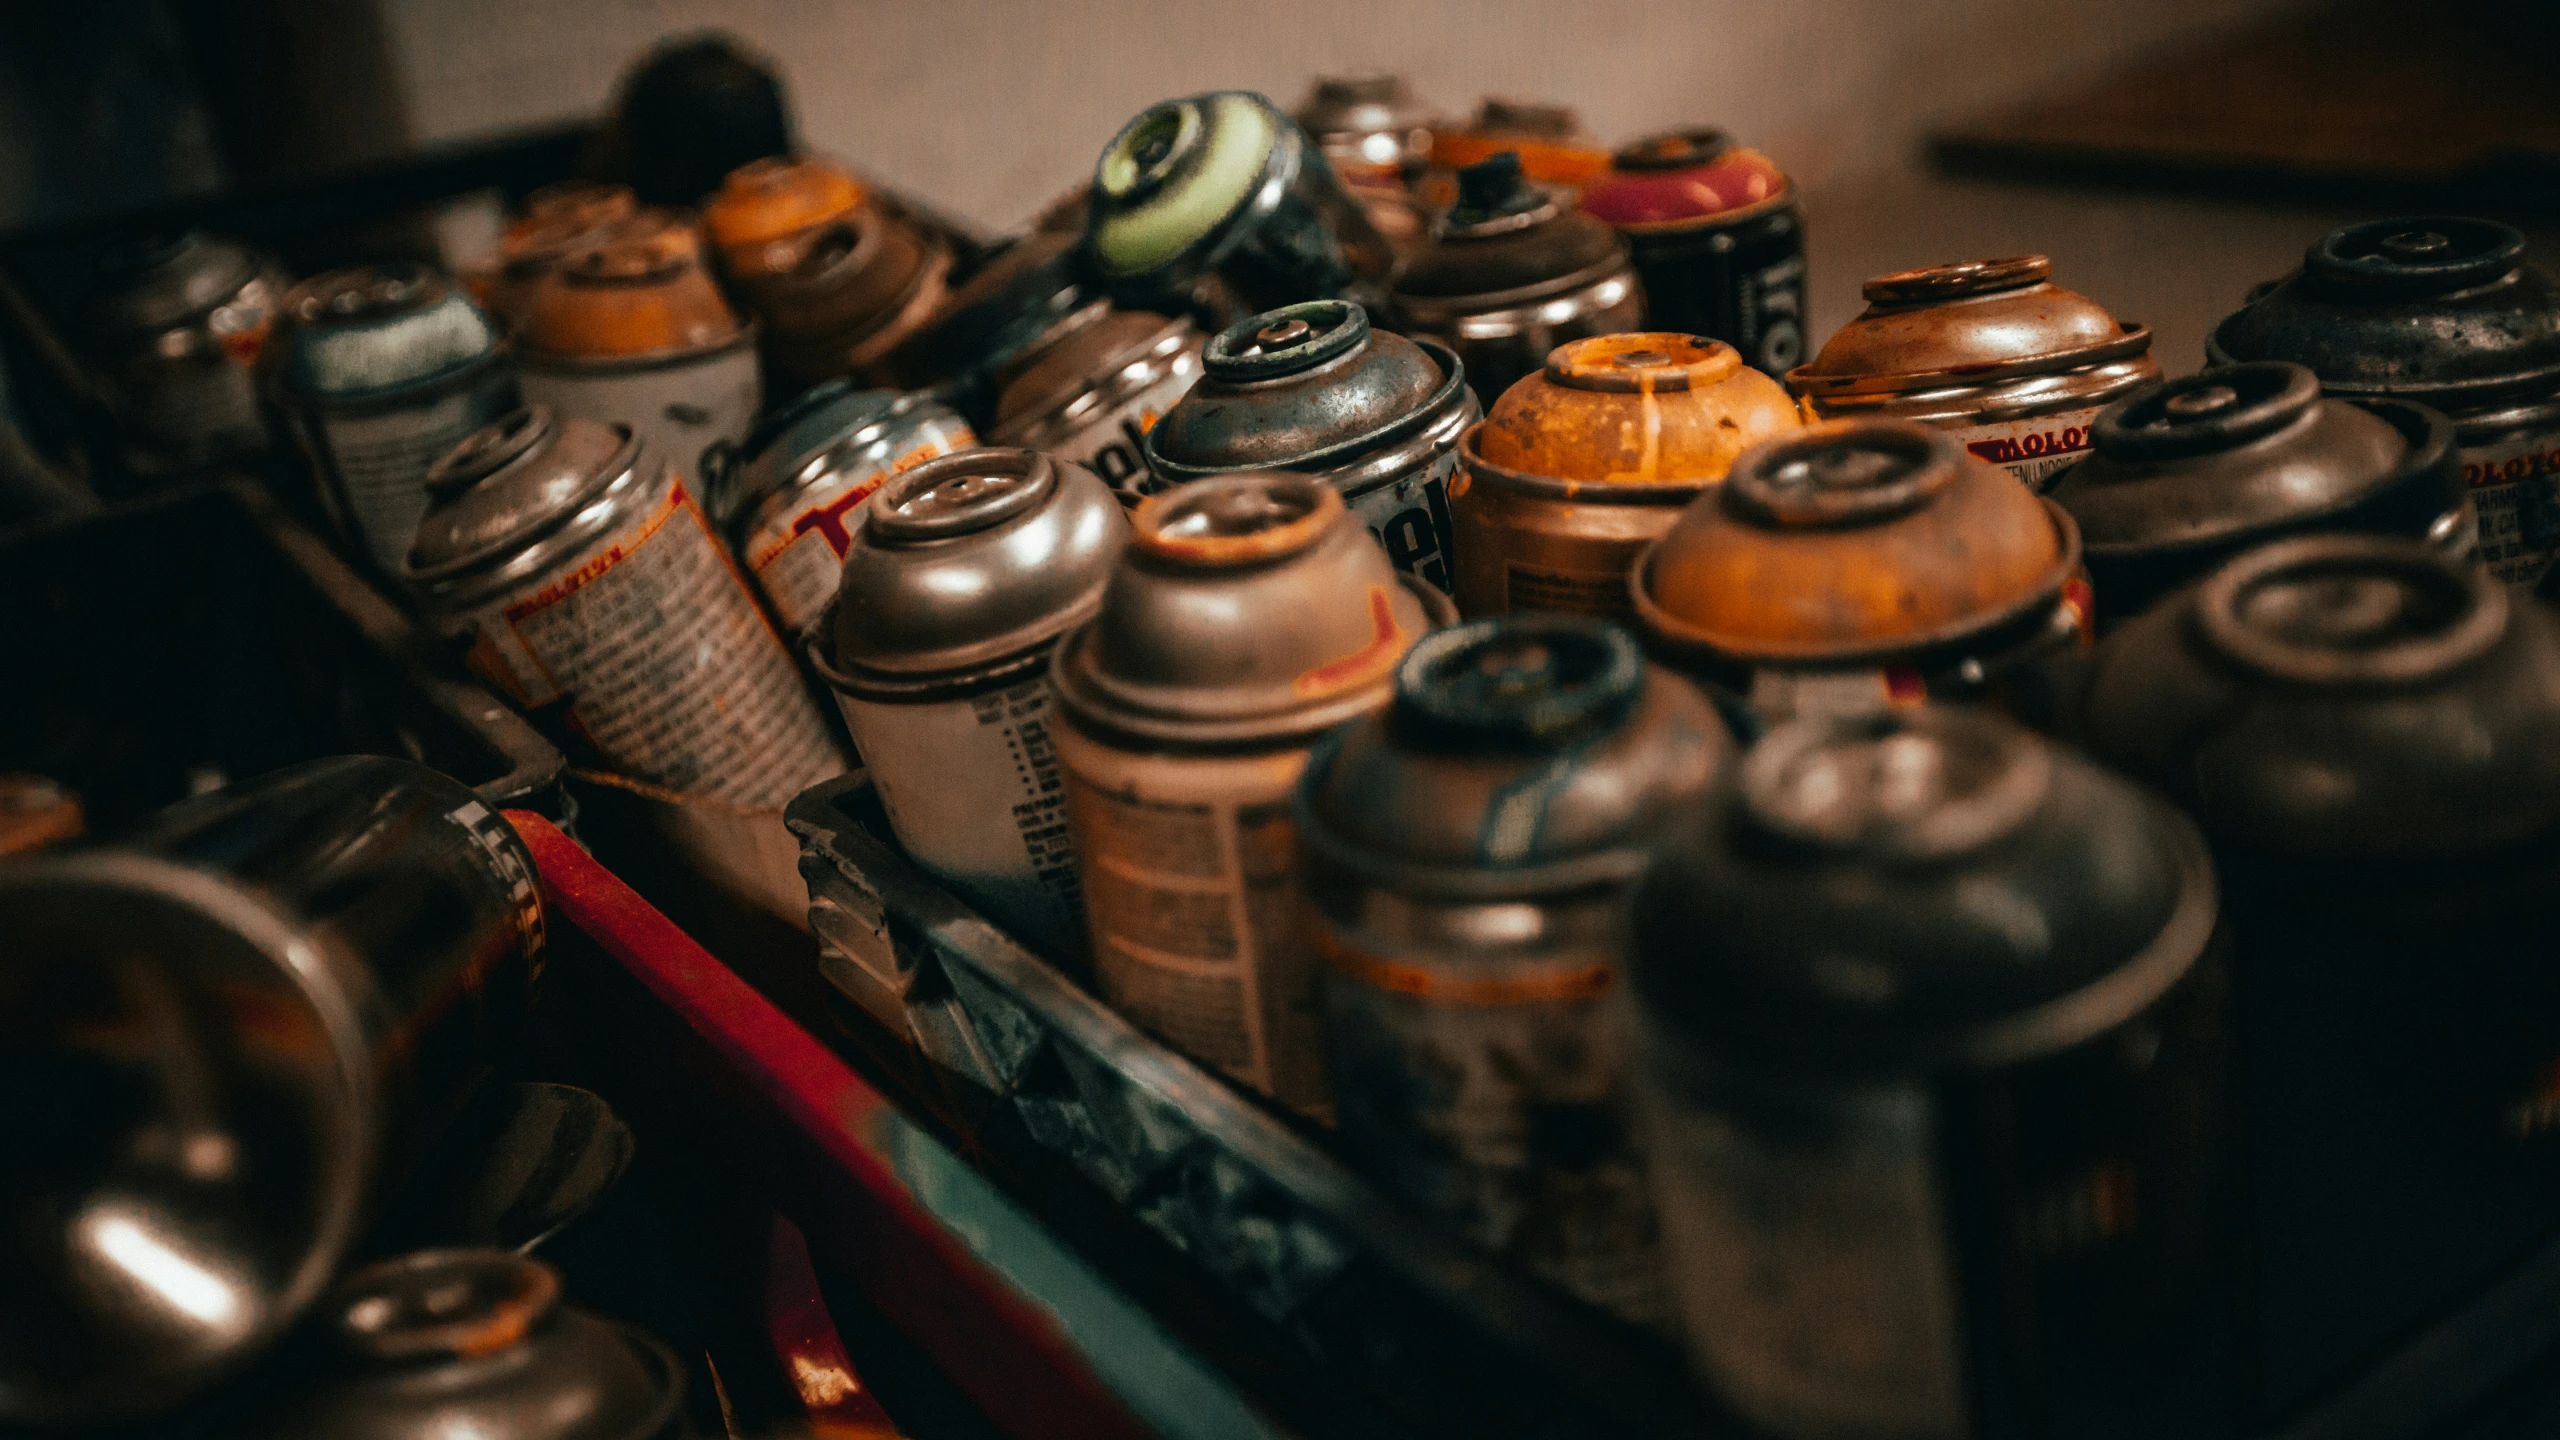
[
  {"x": 557, "y": 220},
  {"x": 1863, "y": 564},
  {"x": 1248, "y": 616},
  {"x": 1992, "y": 351},
  {"x": 854, "y": 291},
  {"x": 1716, "y": 236},
  {"x": 764, "y": 206},
  {"x": 2186, "y": 473},
  {"x": 1225, "y": 185},
  {"x": 963, "y": 573},
  {"x": 2444, "y": 311},
  {"x": 631, "y": 331},
  {"x": 1555, "y": 150},
  {"x": 802, "y": 496},
  {"x": 176, "y": 327},
  {"x": 1467, "y": 861},
  {"x": 1312, "y": 388},
  {"x": 1510, "y": 273},
  {"x": 1584, "y": 463},
  {"x": 1377, "y": 136},
  {"x": 2369, "y": 734},
  {"x": 1095, "y": 385},
  {"x": 1930, "y": 1045},
  {"x": 379, "y": 372},
  {"x": 581, "y": 576}
]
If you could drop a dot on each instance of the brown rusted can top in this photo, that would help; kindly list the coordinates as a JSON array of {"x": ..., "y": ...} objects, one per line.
[
  {"x": 854, "y": 289},
  {"x": 1582, "y": 464},
  {"x": 637, "y": 288},
  {"x": 1991, "y": 350},
  {"x": 556, "y": 221},
  {"x": 767, "y": 203},
  {"x": 1551, "y": 141}
]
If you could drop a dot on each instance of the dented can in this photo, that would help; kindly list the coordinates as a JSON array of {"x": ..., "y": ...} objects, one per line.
[
  {"x": 963, "y": 573},
  {"x": 379, "y": 372},
  {"x": 2369, "y": 734},
  {"x": 802, "y": 502},
  {"x": 1554, "y": 148},
  {"x": 1929, "y": 1050},
  {"x": 1094, "y": 387},
  {"x": 1859, "y": 565},
  {"x": 1509, "y": 274},
  {"x": 631, "y": 331},
  {"x": 1248, "y": 616},
  {"x": 766, "y": 205},
  {"x": 1467, "y": 863},
  {"x": 580, "y": 575},
  {"x": 1312, "y": 388},
  {"x": 2187, "y": 473},
  {"x": 1584, "y": 463},
  {"x": 1715, "y": 233},
  {"x": 1225, "y": 185},
  {"x": 1991, "y": 351},
  {"x": 2444, "y": 311},
  {"x": 176, "y": 327}
]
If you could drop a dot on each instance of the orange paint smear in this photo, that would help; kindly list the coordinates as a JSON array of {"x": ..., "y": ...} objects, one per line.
[{"x": 1366, "y": 663}]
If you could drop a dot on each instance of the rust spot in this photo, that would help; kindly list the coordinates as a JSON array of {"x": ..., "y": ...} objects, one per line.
[{"x": 1386, "y": 645}]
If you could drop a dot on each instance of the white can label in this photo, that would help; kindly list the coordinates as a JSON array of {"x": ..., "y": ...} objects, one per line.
[
  {"x": 2515, "y": 487},
  {"x": 797, "y": 553},
  {"x": 693, "y": 415},
  {"x": 1113, "y": 444},
  {"x": 666, "y": 663},
  {"x": 2033, "y": 450},
  {"x": 973, "y": 792},
  {"x": 1410, "y": 519},
  {"x": 380, "y": 462}
]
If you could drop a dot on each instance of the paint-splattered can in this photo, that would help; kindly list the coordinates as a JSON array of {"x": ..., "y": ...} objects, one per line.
[
  {"x": 1248, "y": 616},
  {"x": 1094, "y": 387},
  {"x": 803, "y": 496},
  {"x": 1717, "y": 238},
  {"x": 1468, "y": 857},
  {"x": 176, "y": 328}
]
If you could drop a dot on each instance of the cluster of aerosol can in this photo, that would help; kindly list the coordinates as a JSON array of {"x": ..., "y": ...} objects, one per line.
[{"x": 1951, "y": 873}]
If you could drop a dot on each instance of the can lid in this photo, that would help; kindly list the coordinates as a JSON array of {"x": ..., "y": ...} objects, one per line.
[
  {"x": 1508, "y": 243},
  {"x": 1677, "y": 178},
  {"x": 374, "y": 329},
  {"x": 1553, "y": 147},
  {"x": 1894, "y": 787},
  {"x": 1293, "y": 386},
  {"x": 2351, "y": 611},
  {"x": 1836, "y": 478},
  {"x": 1970, "y": 323},
  {"x": 1957, "y": 280},
  {"x": 833, "y": 419},
  {"x": 2421, "y": 255},
  {"x": 1285, "y": 341},
  {"x": 1540, "y": 685},
  {"x": 1167, "y": 184},
  {"x": 511, "y": 482},
  {"x": 778, "y": 195},
  {"x": 446, "y": 1304},
  {"x": 1639, "y": 413}
]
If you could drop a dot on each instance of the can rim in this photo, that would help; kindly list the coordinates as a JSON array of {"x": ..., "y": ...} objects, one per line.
[
  {"x": 2133, "y": 338},
  {"x": 2399, "y": 665},
  {"x": 1451, "y": 395}
]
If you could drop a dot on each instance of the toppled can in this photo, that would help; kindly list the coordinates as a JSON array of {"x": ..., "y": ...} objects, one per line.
[
  {"x": 379, "y": 372},
  {"x": 1027, "y": 296},
  {"x": 1223, "y": 184},
  {"x": 2187, "y": 473},
  {"x": 852, "y": 292},
  {"x": 1865, "y": 564},
  {"x": 1929, "y": 1052},
  {"x": 1554, "y": 148},
  {"x": 1991, "y": 351},
  {"x": 765, "y": 206},
  {"x": 231, "y": 1031},
  {"x": 176, "y": 328},
  {"x": 1589, "y": 460},
  {"x": 1717, "y": 239},
  {"x": 1247, "y": 617},
  {"x": 1510, "y": 274},
  {"x": 1095, "y": 385},
  {"x": 631, "y": 331},
  {"x": 1312, "y": 388},
  {"x": 580, "y": 576},
  {"x": 963, "y": 573},
  {"x": 449, "y": 1343},
  {"x": 2369, "y": 734},
  {"x": 2444, "y": 311},
  {"x": 1467, "y": 858},
  {"x": 801, "y": 498},
  {"x": 1377, "y": 136},
  {"x": 558, "y": 220}
]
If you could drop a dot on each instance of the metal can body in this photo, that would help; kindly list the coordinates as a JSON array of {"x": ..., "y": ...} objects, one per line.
[
  {"x": 852, "y": 293},
  {"x": 380, "y": 372},
  {"x": 961, "y": 576},
  {"x": 1312, "y": 389},
  {"x": 1577, "y": 469},
  {"x": 2447, "y": 312},
  {"x": 693, "y": 410},
  {"x": 1246, "y": 617},
  {"x": 178, "y": 330},
  {"x": 1091, "y": 397},
  {"x": 1714, "y": 231},
  {"x": 794, "y": 535},
  {"x": 272, "y": 996},
  {"x": 577, "y": 571},
  {"x": 1991, "y": 351},
  {"x": 1467, "y": 863},
  {"x": 1908, "y": 1187}
]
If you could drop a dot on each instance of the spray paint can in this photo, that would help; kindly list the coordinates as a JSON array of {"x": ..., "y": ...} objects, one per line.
[
  {"x": 1929, "y": 1046},
  {"x": 1312, "y": 388},
  {"x": 578, "y": 571},
  {"x": 852, "y": 292},
  {"x": 802, "y": 504},
  {"x": 2443, "y": 311},
  {"x": 557, "y": 220},
  {"x": 1554, "y": 148},
  {"x": 1716, "y": 235},
  {"x": 379, "y": 372},
  {"x": 1590, "y": 459},
  {"x": 2369, "y": 734},
  {"x": 1992, "y": 351},
  {"x": 1224, "y": 185},
  {"x": 1510, "y": 273},
  {"x": 1094, "y": 387},
  {"x": 766, "y": 205},
  {"x": 1248, "y": 616},
  {"x": 1859, "y": 565},
  {"x": 1377, "y": 137},
  {"x": 963, "y": 573},
  {"x": 176, "y": 327},
  {"x": 2186, "y": 473},
  {"x": 1468, "y": 858},
  {"x": 631, "y": 331}
]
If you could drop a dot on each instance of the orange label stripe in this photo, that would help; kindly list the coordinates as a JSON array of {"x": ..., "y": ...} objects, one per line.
[{"x": 1582, "y": 982}]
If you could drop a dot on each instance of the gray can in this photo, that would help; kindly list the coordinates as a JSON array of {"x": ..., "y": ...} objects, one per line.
[
  {"x": 177, "y": 328},
  {"x": 1467, "y": 860},
  {"x": 962, "y": 574},
  {"x": 581, "y": 577},
  {"x": 1091, "y": 390},
  {"x": 379, "y": 372}
]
